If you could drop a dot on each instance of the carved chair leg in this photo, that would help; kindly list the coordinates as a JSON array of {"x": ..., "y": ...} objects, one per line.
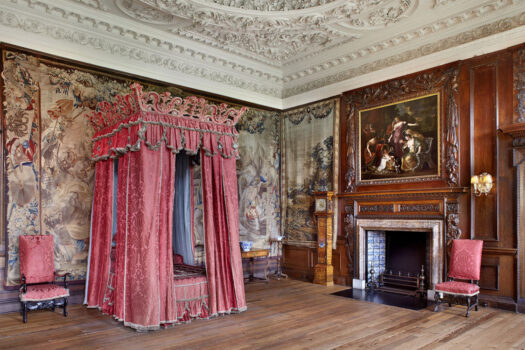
[
  {"x": 438, "y": 301},
  {"x": 21, "y": 309},
  {"x": 468, "y": 306},
  {"x": 65, "y": 307},
  {"x": 477, "y": 302},
  {"x": 24, "y": 316}
]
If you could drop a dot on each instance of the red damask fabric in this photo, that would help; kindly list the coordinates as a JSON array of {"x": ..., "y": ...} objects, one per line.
[
  {"x": 221, "y": 236},
  {"x": 100, "y": 234},
  {"x": 137, "y": 286},
  {"x": 40, "y": 292},
  {"x": 144, "y": 291},
  {"x": 37, "y": 258},
  {"x": 465, "y": 259},
  {"x": 231, "y": 201},
  {"x": 455, "y": 287}
]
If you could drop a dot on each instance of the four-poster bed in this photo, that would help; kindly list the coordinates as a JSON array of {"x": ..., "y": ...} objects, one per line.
[{"x": 140, "y": 173}]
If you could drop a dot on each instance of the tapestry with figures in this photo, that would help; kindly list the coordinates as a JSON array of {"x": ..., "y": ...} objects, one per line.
[
  {"x": 258, "y": 183},
  {"x": 258, "y": 177},
  {"x": 307, "y": 165},
  {"x": 49, "y": 175},
  {"x": 47, "y": 147}
]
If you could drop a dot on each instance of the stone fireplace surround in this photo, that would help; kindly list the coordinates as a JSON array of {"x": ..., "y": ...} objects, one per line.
[{"x": 436, "y": 236}]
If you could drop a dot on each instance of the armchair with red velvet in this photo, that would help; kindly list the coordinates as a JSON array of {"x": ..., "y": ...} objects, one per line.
[
  {"x": 37, "y": 271},
  {"x": 465, "y": 264}
]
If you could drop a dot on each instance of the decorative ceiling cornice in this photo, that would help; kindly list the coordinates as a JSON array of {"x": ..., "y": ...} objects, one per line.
[
  {"x": 92, "y": 33},
  {"x": 402, "y": 38},
  {"x": 449, "y": 42},
  {"x": 260, "y": 51}
]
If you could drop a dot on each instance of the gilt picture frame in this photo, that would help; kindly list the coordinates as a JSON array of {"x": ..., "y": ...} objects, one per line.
[{"x": 400, "y": 141}]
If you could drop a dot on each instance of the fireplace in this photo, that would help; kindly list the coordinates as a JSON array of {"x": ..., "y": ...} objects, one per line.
[
  {"x": 399, "y": 236},
  {"x": 398, "y": 261}
]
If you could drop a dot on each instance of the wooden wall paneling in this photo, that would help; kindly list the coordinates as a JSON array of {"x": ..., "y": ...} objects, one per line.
[
  {"x": 340, "y": 262},
  {"x": 520, "y": 225},
  {"x": 506, "y": 177},
  {"x": 492, "y": 217},
  {"x": 490, "y": 267},
  {"x": 498, "y": 288},
  {"x": 517, "y": 132},
  {"x": 483, "y": 123},
  {"x": 299, "y": 261}
]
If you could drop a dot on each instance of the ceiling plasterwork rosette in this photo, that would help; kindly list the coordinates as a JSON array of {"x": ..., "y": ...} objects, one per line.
[
  {"x": 275, "y": 5},
  {"x": 273, "y": 31}
]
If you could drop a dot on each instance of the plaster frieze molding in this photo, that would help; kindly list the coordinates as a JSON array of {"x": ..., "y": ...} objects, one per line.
[
  {"x": 456, "y": 40},
  {"x": 403, "y": 38},
  {"x": 92, "y": 33}
]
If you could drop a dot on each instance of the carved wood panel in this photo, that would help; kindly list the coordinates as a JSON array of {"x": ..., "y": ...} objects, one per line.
[
  {"x": 349, "y": 234},
  {"x": 400, "y": 208}
]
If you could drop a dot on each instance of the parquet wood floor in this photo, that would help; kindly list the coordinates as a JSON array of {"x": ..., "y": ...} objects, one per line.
[{"x": 284, "y": 314}]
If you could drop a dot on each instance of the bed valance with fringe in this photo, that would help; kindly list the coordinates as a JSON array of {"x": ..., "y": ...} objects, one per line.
[{"x": 154, "y": 120}]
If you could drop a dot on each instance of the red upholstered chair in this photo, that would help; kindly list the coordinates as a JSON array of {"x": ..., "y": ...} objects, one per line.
[
  {"x": 37, "y": 271},
  {"x": 465, "y": 264}
]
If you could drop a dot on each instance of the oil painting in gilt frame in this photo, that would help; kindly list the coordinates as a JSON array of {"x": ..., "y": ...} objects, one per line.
[{"x": 399, "y": 142}]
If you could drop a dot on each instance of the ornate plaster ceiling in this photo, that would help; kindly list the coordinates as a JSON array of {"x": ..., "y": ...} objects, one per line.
[
  {"x": 264, "y": 51},
  {"x": 272, "y": 32}
]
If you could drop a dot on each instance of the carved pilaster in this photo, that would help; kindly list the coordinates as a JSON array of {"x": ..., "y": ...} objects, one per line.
[
  {"x": 349, "y": 228},
  {"x": 453, "y": 230},
  {"x": 350, "y": 143},
  {"x": 451, "y": 163},
  {"x": 519, "y": 84}
]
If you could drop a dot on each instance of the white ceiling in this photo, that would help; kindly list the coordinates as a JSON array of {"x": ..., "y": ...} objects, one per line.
[{"x": 278, "y": 53}]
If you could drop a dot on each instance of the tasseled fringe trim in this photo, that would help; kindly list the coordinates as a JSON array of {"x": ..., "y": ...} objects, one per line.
[{"x": 172, "y": 323}]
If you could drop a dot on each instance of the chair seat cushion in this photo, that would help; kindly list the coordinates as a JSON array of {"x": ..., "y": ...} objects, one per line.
[
  {"x": 41, "y": 292},
  {"x": 454, "y": 287}
]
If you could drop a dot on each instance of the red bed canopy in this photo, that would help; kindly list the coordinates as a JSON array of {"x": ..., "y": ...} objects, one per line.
[{"x": 145, "y": 131}]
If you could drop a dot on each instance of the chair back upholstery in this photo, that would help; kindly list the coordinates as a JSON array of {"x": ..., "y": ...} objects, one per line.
[
  {"x": 37, "y": 258},
  {"x": 465, "y": 259}
]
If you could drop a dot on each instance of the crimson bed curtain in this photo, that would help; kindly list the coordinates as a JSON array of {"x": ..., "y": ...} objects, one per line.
[{"x": 145, "y": 131}]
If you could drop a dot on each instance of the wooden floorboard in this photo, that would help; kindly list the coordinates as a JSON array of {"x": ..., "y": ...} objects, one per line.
[{"x": 283, "y": 314}]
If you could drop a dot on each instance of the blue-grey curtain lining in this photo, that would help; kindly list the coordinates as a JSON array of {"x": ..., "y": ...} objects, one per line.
[{"x": 182, "y": 235}]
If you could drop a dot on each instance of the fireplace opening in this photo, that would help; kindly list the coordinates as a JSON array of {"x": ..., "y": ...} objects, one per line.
[{"x": 398, "y": 261}]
